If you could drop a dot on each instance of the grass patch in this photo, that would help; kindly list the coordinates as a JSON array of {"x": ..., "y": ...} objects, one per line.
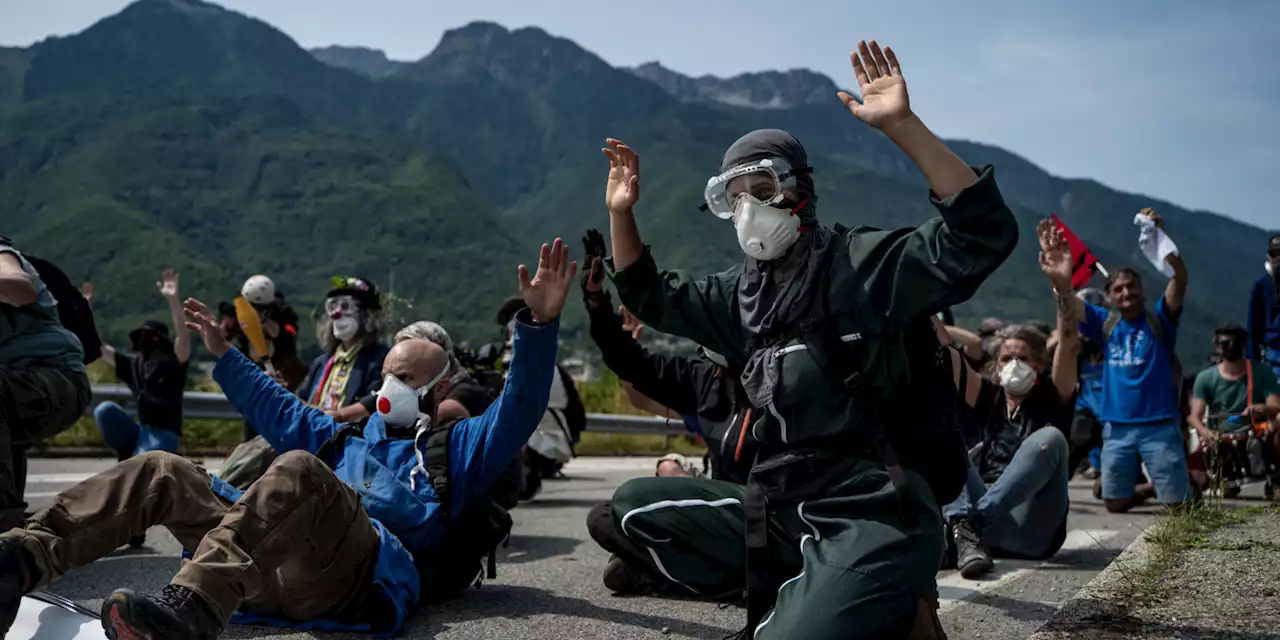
[{"x": 629, "y": 444}]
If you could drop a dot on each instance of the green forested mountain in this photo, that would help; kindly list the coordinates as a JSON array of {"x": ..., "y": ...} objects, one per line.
[{"x": 178, "y": 133}]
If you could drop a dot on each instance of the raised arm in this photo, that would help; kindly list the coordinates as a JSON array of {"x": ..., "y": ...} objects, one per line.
[
  {"x": 17, "y": 288},
  {"x": 168, "y": 287},
  {"x": 1055, "y": 262},
  {"x": 281, "y": 417},
  {"x": 1176, "y": 291},
  {"x": 909, "y": 273},
  {"x": 108, "y": 351},
  {"x": 480, "y": 448}
]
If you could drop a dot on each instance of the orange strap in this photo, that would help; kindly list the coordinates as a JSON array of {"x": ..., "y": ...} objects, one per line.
[
  {"x": 742, "y": 435},
  {"x": 1258, "y": 427}
]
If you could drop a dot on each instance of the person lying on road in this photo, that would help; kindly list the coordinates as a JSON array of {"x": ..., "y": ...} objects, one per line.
[{"x": 346, "y": 528}]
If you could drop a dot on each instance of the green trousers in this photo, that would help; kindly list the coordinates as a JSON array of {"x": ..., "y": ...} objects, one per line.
[{"x": 855, "y": 566}]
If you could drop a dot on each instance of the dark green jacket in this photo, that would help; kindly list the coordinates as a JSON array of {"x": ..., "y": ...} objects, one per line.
[{"x": 879, "y": 281}]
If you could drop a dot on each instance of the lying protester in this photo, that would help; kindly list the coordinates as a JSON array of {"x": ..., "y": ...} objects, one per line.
[
  {"x": 843, "y": 536},
  {"x": 1139, "y": 405},
  {"x": 1264, "y": 311},
  {"x": 156, "y": 374},
  {"x": 1231, "y": 399},
  {"x": 43, "y": 386},
  {"x": 347, "y": 530}
]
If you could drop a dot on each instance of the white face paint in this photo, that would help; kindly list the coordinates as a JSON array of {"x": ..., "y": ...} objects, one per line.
[
  {"x": 764, "y": 232},
  {"x": 345, "y": 327}
]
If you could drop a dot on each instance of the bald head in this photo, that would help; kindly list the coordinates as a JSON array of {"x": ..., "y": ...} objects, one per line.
[{"x": 415, "y": 362}]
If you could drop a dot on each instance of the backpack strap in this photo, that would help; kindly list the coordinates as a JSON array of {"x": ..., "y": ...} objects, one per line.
[
  {"x": 331, "y": 451},
  {"x": 1109, "y": 325},
  {"x": 436, "y": 457}
]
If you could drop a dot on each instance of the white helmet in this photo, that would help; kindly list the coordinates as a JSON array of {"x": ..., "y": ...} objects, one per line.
[{"x": 259, "y": 290}]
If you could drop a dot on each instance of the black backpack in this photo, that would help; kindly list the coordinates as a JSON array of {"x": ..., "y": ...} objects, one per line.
[
  {"x": 73, "y": 310},
  {"x": 459, "y": 559}
]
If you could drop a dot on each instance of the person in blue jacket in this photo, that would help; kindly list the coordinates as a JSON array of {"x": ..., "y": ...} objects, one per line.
[
  {"x": 1263, "y": 323},
  {"x": 333, "y": 535}
]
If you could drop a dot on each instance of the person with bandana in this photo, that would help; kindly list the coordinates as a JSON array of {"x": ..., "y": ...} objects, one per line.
[
  {"x": 344, "y": 531},
  {"x": 842, "y": 540},
  {"x": 1264, "y": 311},
  {"x": 348, "y": 333},
  {"x": 1235, "y": 395}
]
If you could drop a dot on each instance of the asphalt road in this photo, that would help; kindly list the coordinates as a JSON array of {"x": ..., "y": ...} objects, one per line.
[{"x": 549, "y": 586}]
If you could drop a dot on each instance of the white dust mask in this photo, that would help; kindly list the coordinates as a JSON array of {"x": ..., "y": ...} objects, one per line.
[
  {"x": 400, "y": 404},
  {"x": 1017, "y": 377},
  {"x": 764, "y": 232}
]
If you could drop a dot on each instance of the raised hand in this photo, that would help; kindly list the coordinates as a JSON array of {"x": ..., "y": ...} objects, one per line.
[
  {"x": 86, "y": 290},
  {"x": 884, "y": 90},
  {"x": 631, "y": 323},
  {"x": 593, "y": 274},
  {"x": 546, "y": 292},
  {"x": 622, "y": 191},
  {"x": 201, "y": 321},
  {"x": 1155, "y": 217},
  {"x": 1055, "y": 256},
  {"x": 168, "y": 284}
]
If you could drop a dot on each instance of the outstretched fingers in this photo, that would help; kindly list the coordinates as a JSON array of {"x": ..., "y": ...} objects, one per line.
[
  {"x": 882, "y": 65},
  {"x": 868, "y": 62},
  {"x": 894, "y": 67}
]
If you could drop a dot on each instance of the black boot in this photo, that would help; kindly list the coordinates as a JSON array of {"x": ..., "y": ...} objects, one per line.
[
  {"x": 17, "y": 576},
  {"x": 629, "y": 579},
  {"x": 136, "y": 542},
  {"x": 972, "y": 558},
  {"x": 177, "y": 613}
]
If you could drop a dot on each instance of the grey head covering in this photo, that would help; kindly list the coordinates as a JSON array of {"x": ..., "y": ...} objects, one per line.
[
  {"x": 775, "y": 296},
  {"x": 433, "y": 332}
]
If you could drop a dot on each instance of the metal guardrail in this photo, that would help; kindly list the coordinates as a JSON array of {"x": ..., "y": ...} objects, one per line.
[{"x": 203, "y": 405}]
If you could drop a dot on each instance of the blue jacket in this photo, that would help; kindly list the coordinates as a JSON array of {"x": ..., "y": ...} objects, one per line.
[
  {"x": 408, "y": 520},
  {"x": 366, "y": 375},
  {"x": 1264, "y": 318}
]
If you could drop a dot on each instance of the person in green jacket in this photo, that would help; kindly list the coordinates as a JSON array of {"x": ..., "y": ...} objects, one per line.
[{"x": 852, "y": 544}]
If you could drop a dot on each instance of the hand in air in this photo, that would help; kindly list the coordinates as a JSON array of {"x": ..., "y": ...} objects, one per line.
[
  {"x": 1155, "y": 217},
  {"x": 201, "y": 321},
  {"x": 593, "y": 274},
  {"x": 168, "y": 284},
  {"x": 546, "y": 292},
  {"x": 622, "y": 192},
  {"x": 630, "y": 323},
  {"x": 86, "y": 290},
  {"x": 1055, "y": 256},
  {"x": 884, "y": 90}
]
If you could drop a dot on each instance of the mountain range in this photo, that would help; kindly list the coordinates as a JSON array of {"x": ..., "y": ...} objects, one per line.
[{"x": 178, "y": 133}]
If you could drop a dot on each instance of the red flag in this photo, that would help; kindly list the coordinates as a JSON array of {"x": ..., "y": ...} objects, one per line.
[{"x": 1083, "y": 258}]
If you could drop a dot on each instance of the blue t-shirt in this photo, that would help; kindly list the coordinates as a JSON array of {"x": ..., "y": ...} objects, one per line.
[{"x": 1137, "y": 371}]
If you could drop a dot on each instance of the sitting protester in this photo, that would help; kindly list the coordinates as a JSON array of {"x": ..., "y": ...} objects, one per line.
[
  {"x": 349, "y": 333},
  {"x": 1232, "y": 398},
  {"x": 156, "y": 374},
  {"x": 43, "y": 386},
  {"x": 279, "y": 326},
  {"x": 347, "y": 530},
  {"x": 1015, "y": 502}
]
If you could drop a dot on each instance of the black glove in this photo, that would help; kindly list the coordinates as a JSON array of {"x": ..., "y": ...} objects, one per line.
[{"x": 593, "y": 275}]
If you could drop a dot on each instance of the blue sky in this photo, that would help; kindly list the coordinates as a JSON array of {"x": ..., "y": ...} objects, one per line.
[{"x": 1169, "y": 98}]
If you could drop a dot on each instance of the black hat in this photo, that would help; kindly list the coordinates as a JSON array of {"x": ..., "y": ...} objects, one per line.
[
  {"x": 226, "y": 309},
  {"x": 509, "y": 309},
  {"x": 150, "y": 326},
  {"x": 362, "y": 290}
]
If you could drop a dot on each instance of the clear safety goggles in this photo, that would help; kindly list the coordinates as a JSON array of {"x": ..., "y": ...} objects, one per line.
[
  {"x": 344, "y": 304},
  {"x": 766, "y": 181}
]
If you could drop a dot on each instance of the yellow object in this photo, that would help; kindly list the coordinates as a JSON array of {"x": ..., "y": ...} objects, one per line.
[{"x": 252, "y": 328}]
